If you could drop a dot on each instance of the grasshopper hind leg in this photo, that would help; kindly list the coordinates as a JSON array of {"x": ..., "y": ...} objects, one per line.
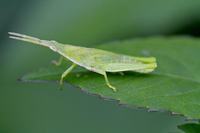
[{"x": 108, "y": 83}]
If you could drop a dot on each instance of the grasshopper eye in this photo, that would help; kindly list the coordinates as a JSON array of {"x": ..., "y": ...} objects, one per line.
[{"x": 53, "y": 48}]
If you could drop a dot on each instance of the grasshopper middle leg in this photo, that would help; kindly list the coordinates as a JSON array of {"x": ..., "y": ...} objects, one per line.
[{"x": 66, "y": 73}]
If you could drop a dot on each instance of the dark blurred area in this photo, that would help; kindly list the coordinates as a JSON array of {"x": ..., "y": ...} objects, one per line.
[{"x": 41, "y": 108}]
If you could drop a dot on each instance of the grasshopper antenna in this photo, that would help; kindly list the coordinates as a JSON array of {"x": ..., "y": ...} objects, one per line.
[{"x": 26, "y": 38}]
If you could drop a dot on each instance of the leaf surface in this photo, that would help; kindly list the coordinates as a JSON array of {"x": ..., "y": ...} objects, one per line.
[{"x": 174, "y": 86}]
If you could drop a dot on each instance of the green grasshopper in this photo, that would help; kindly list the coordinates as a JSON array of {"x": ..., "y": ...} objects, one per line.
[{"x": 96, "y": 60}]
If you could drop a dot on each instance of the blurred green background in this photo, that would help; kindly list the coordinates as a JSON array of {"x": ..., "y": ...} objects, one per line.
[{"x": 41, "y": 108}]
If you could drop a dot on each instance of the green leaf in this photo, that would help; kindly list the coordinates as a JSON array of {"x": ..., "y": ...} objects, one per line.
[
  {"x": 190, "y": 127},
  {"x": 174, "y": 86}
]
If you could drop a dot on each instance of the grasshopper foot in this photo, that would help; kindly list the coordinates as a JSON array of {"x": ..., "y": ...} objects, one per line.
[{"x": 112, "y": 87}]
